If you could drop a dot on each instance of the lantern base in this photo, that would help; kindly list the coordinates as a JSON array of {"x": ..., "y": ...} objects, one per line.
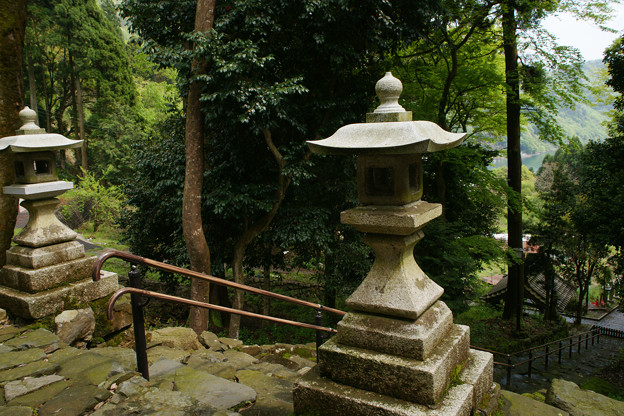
[{"x": 43, "y": 228}]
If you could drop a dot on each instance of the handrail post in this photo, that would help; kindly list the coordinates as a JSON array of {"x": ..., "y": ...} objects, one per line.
[
  {"x": 138, "y": 323},
  {"x": 580, "y": 342},
  {"x": 559, "y": 352},
  {"x": 546, "y": 357},
  {"x": 586, "y": 341},
  {"x": 593, "y": 332},
  {"x": 319, "y": 337},
  {"x": 508, "y": 369},
  {"x": 530, "y": 362}
]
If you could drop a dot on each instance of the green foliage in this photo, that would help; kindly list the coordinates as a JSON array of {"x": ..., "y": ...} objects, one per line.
[
  {"x": 566, "y": 243},
  {"x": 152, "y": 222},
  {"x": 457, "y": 246},
  {"x": 604, "y": 387},
  {"x": 93, "y": 201}
]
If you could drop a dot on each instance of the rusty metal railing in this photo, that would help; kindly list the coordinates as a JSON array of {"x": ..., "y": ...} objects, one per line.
[{"x": 137, "y": 295}]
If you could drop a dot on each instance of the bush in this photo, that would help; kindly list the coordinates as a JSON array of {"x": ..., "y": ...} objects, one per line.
[{"x": 91, "y": 201}]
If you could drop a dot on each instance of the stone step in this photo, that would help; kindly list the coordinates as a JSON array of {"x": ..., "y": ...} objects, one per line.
[
  {"x": 418, "y": 381},
  {"x": 49, "y": 277},
  {"x": 316, "y": 395},
  {"x": 48, "y": 302},
  {"x": 477, "y": 371},
  {"x": 403, "y": 337}
]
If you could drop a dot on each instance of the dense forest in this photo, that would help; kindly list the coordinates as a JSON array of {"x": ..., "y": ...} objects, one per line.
[{"x": 194, "y": 116}]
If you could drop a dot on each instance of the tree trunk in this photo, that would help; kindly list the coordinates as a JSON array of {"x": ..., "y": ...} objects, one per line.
[
  {"x": 12, "y": 27},
  {"x": 192, "y": 226},
  {"x": 253, "y": 231},
  {"x": 239, "y": 295},
  {"x": 515, "y": 282},
  {"x": 266, "y": 285},
  {"x": 33, "y": 88},
  {"x": 83, "y": 148}
]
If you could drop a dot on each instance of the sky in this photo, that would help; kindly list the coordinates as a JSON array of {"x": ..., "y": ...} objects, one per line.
[{"x": 586, "y": 37}]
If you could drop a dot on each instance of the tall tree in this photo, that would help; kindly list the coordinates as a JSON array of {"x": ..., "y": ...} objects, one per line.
[
  {"x": 192, "y": 226},
  {"x": 270, "y": 87},
  {"x": 549, "y": 79},
  {"x": 574, "y": 250},
  {"x": 12, "y": 29}
]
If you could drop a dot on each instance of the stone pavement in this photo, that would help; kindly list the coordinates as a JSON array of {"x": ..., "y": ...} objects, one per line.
[{"x": 40, "y": 375}]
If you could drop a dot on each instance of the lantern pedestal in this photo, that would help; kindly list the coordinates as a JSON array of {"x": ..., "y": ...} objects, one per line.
[
  {"x": 47, "y": 268},
  {"x": 398, "y": 352}
]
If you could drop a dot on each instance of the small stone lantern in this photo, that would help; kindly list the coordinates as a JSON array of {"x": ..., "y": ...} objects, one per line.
[
  {"x": 48, "y": 266},
  {"x": 396, "y": 349},
  {"x": 37, "y": 180}
]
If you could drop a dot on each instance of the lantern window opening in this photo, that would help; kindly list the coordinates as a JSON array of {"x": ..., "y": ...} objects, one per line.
[
  {"x": 414, "y": 178},
  {"x": 41, "y": 166},
  {"x": 380, "y": 181}
]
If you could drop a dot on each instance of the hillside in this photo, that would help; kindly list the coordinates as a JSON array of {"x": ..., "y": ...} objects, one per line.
[{"x": 587, "y": 120}]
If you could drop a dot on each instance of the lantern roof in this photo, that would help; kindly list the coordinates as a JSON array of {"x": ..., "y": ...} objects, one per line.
[
  {"x": 32, "y": 138},
  {"x": 389, "y": 130},
  {"x": 387, "y": 138}
]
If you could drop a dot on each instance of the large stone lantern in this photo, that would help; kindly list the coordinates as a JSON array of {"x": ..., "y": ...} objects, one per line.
[
  {"x": 397, "y": 349},
  {"x": 48, "y": 266}
]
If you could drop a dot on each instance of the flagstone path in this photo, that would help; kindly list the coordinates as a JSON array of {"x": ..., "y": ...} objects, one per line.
[{"x": 39, "y": 373}]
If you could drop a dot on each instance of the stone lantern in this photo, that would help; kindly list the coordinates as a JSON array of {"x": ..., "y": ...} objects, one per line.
[
  {"x": 48, "y": 266},
  {"x": 397, "y": 349}
]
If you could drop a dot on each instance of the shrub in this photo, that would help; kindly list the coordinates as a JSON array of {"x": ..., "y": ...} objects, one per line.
[{"x": 91, "y": 201}]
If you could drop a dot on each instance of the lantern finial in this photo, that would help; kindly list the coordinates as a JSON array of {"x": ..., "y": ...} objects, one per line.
[
  {"x": 29, "y": 124},
  {"x": 389, "y": 90}
]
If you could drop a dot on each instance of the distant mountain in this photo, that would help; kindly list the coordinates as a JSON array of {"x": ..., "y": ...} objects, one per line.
[{"x": 587, "y": 121}]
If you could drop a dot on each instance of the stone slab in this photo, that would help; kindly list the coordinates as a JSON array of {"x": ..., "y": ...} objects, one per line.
[
  {"x": 34, "y": 369},
  {"x": 16, "y": 411},
  {"x": 33, "y": 339},
  {"x": 518, "y": 405},
  {"x": 399, "y": 220},
  {"x": 38, "y": 397},
  {"x": 18, "y": 388},
  {"x": 274, "y": 395},
  {"x": 395, "y": 285},
  {"x": 38, "y": 305},
  {"x": 14, "y": 358},
  {"x": 316, "y": 395},
  {"x": 90, "y": 368},
  {"x": 403, "y": 337},
  {"x": 569, "y": 397},
  {"x": 75, "y": 401},
  {"x": 36, "y": 258},
  {"x": 208, "y": 389},
  {"x": 478, "y": 371},
  {"x": 49, "y": 277},
  {"x": 421, "y": 382}
]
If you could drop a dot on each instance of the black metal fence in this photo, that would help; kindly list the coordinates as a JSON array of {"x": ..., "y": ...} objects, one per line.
[{"x": 550, "y": 351}]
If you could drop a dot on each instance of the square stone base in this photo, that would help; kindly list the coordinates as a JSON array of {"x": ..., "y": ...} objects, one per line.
[
  {"x": 315, "y": 395},
  {"x": 417, "y": 381},
  {"x": 478, "y": 371},
  {"x": 36, "y": 258},
  {"x": 45, "y": 278},
  {"x": 402, "y": 337},
  {"x": 37, "y": 305}
]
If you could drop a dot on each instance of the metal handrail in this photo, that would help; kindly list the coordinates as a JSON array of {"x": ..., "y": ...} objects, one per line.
[
  {"x": 158, "y": 295},
  {"x": 132, "y": 258},
  {"x": 137, "y": 293}
]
